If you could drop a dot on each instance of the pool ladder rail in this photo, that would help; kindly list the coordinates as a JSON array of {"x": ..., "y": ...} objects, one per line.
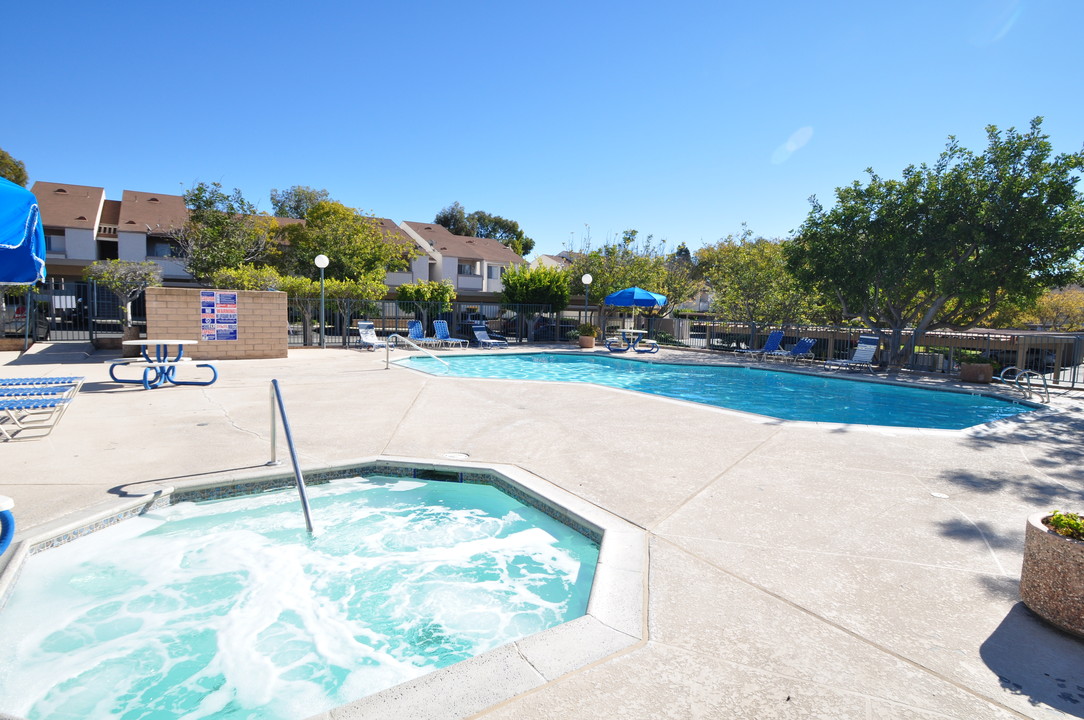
[
  {"x": 397, "y": 337},
  {"x": 276, "y": 402},
  {"x": 1021, "y": 380}
]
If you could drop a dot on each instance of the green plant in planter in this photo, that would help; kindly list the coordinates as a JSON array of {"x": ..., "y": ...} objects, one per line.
[
  {"x": 975, "y": 356},
  {"x": 1070, "y": 525},
  {"x": 587, "y": 329}
]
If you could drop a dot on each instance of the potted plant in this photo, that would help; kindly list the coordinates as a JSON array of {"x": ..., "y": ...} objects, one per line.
[
  {"x": 975, "y": 367},
  {"x": 587, "y": 334},
  {"x": 1052, "y": 579}
]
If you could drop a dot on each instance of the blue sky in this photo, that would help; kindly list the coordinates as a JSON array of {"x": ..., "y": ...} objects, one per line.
[{"x": 679, "y": 119}]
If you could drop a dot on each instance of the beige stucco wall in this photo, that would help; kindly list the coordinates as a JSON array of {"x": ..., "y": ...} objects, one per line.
[{"x": 174, "y": 313}]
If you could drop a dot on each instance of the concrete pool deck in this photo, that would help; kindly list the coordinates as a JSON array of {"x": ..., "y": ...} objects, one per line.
[{"x": 794, "y": 570}]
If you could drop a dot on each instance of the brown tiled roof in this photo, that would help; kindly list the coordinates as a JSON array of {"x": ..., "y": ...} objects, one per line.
[
  {"x": 392, "y": 232},
  {"x": 464, "y": 247},
  {"x": 151, "y": 212},
  {"x": 69, "y": 206}
]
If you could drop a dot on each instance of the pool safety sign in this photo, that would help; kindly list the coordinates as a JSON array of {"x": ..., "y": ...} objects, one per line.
[{"x": 217, "y": 315}]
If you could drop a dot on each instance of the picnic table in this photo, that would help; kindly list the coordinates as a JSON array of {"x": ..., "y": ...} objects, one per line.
[{"x": 162, "y": 368}]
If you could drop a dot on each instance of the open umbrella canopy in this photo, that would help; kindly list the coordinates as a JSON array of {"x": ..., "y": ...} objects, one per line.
[
  {"x": 635, "y": 296},
  {"x": 22, "y": 238}
]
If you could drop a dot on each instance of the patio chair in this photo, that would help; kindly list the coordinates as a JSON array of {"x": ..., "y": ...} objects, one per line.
[
  {"x": 770, "y": 345},
  {"x": 802, "y": 350},
  {"x": 417, "y": 335},
  {"x": 440, "y": 327},
  {"x": 861, "y": 358},
  {"x": 35, "y": 391},
  {"x": 34, "y": 381},
  {"x": 481, "y": 336},
  {"x": 25, "y": 407},
  {"x": 367, "y": 336}
]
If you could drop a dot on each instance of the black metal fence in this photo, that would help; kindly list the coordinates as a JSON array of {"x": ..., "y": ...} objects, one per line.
[
  {"x": 67, "y": 310},
  {"x": 1058, "y": 356},
  {"x": 514, "y": 323}
]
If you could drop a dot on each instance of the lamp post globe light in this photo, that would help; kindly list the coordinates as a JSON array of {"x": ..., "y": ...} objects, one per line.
[
  {"x": 586, "y": 280},
  {"x": 321, "y": 261}
]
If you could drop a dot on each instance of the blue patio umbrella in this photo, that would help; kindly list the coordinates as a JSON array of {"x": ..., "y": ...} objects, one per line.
[
  {"x": 635, "y": 296},
  {"x": 22, "y": 238}
]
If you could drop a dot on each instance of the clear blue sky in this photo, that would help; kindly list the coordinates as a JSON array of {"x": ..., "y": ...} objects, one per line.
[{"x": 680, "y": 119}]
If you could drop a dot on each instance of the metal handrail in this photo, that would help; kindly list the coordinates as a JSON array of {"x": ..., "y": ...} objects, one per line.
[
  {"x": 397, "y": 336},
  {"x": 1025, "y": 375},
  {"x": 276, "y": 399}
]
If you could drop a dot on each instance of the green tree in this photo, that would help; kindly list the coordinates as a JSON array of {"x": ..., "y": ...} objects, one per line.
[
  {"x": 350, "y": 298},
  {"x": 946, "y": 246},
  {"x": 749, "y": 281},
  {"x": 425, "y": 297},
  {"x": 297, "y": 201},
  {"x": 303, "y": 295},
  {"x": 352, "y": 242},
  {"x": 524, "y": 285},
  {"x": 247, "y": 277},
  {"x": 622, "y": 263},
  {"x": 223, "y": 231},
  {"x": 127, "y": 280},
  {"x": 454, "y": 218},
  {"x": 481, "y": 224},
  {"x": 12, "y": 169}
]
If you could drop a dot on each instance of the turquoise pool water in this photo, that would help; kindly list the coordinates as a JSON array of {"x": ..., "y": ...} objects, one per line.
[
  {"x": 230, "y": 610},
  {"x": 785, "y": 395}
]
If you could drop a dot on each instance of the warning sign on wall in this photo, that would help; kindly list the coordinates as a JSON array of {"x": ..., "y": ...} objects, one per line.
[{"x": 217, "y": 315}]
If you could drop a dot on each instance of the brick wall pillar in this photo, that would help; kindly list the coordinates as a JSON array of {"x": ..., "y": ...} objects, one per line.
[{"x": 174, "y": 313}]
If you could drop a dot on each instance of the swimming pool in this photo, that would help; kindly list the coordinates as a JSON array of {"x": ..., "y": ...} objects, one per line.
[
  {"x": 784, "y": 395},
  {"x": 229, "y": 609}
]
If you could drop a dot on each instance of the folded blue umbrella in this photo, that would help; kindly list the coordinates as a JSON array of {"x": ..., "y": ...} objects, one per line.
[{"x": 22, "y": 238}]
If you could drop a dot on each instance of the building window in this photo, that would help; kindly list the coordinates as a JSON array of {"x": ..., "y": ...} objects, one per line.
[
  {"x": 163, "y": 248},
  {"x": 495, "y": 272},
  {"x": 467, "y": 269},
  {"x": 55, "y": 244},
  {"x": 107, "y": 250}
]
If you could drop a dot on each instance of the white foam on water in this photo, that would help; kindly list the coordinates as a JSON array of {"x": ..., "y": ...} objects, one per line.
[{"x": 205, "y": 610}]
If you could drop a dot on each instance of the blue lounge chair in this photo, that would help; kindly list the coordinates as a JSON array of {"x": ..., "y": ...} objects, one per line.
[
  {"x": 861, "y": 358},
  {"x": 25, "y": 407},
  {"x": 481, "y": 336},
  {"x": 35, "y": 391},
  {"x": 417, "y": 335},
  {"x": 802, "y": 350},
  {"x": 770, "y": 345},
  {"x": 7, "y": 382},
  {"x": 440, "y": 327},
  {"x": 367, "y": 336}
]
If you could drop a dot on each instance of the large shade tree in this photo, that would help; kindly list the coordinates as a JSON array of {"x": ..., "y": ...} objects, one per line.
[
  {"x": 296, "y": 201},
  {"x": 352, "y": 241},
  {"x": 223, "y": 231},
  {"x": 12, "y": 169},
  {"x": 749, "y": 281},
  {"x": 946, "y": 245},
  {"x": 481, "y": 224}
]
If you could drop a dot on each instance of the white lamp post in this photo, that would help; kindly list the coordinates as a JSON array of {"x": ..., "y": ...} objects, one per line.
[
  {"x": 586, "y": 280},
  {"x": 321, "y": 262}
]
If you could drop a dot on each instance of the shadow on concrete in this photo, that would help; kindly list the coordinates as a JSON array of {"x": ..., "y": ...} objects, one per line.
[
  {"x": 1052, "y": 444},
  {"x": 1037, "y": 661},
  {"x": 1031, "y": 489},
  {"x": 73, "y": 353}
]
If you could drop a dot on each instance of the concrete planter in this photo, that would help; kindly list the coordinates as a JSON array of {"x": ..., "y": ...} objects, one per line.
[
  {"x": 976, "y": 372},
  {"x": 587, "y": 341},
  {"x": 1052, "y": 580}
]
